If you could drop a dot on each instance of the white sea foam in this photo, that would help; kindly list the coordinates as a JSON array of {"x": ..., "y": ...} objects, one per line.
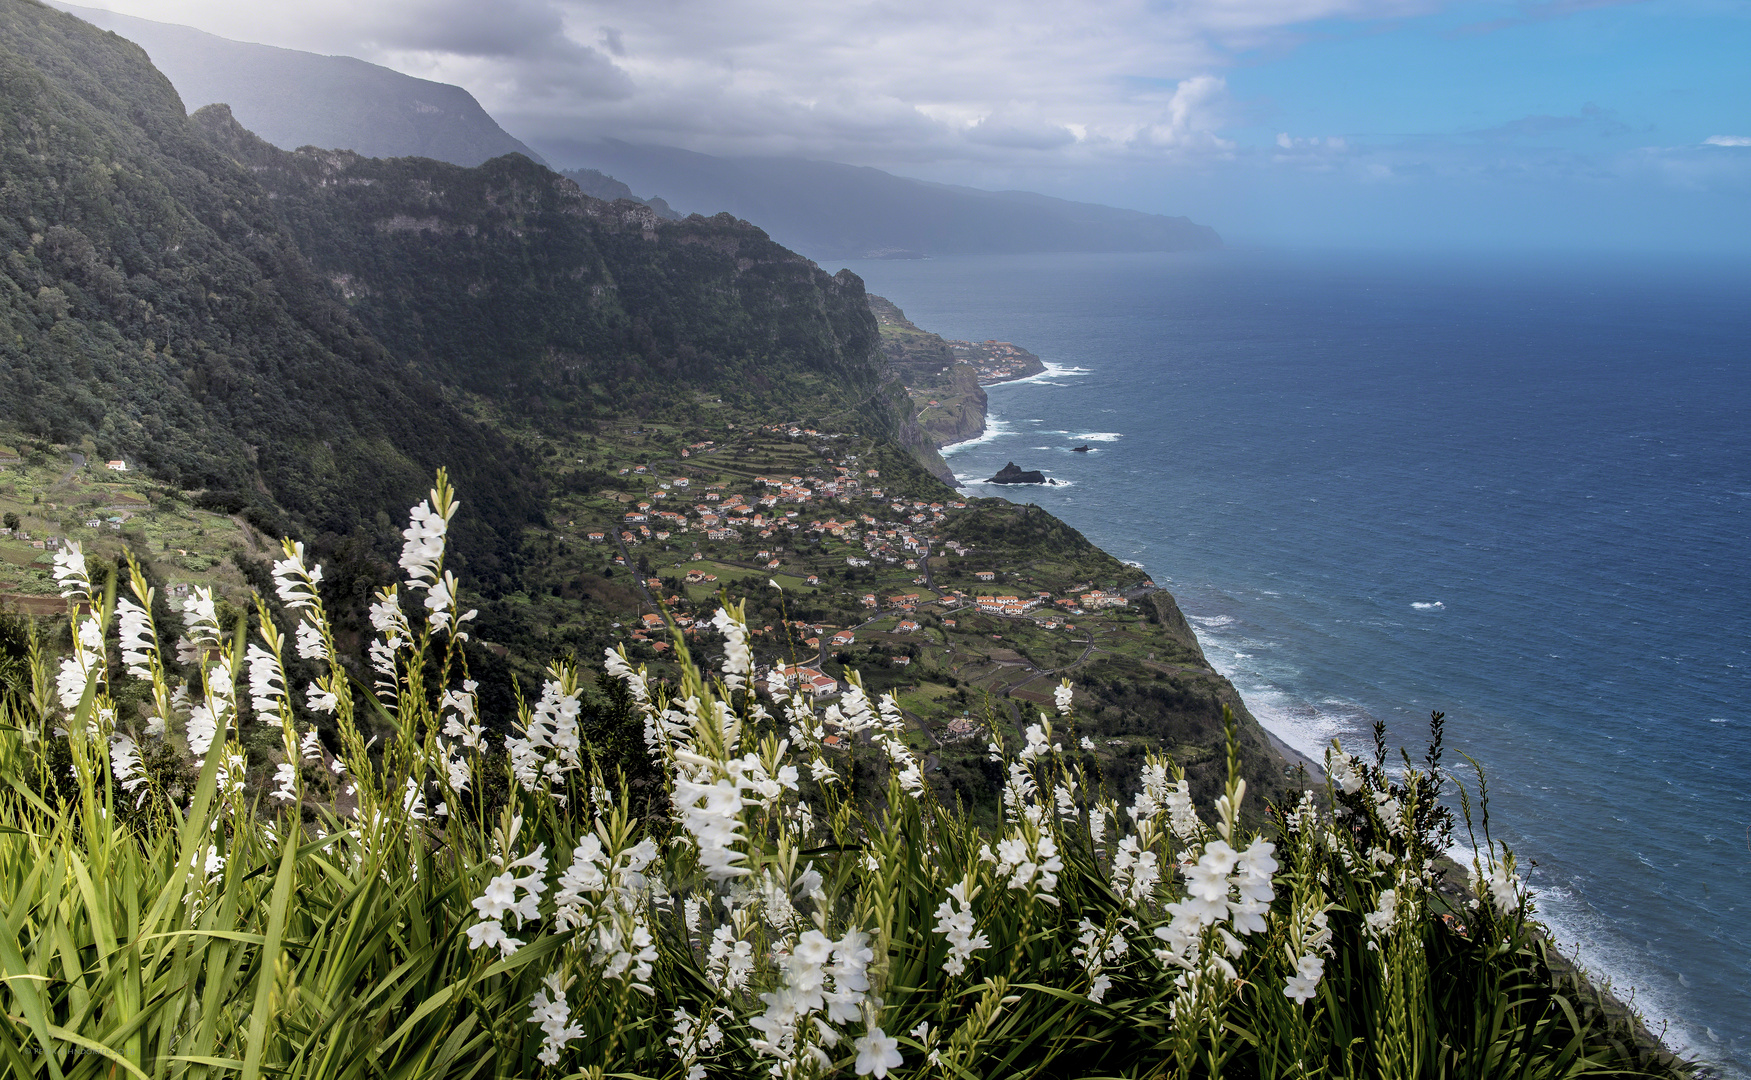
[
  {"x": 975, "y": 480},
  {"x": 1052, "y": 372},
  {"x": 1102, "y": 436},
  {"x": 1592, "y": 941},
  {"x": 1434, "y": 606},
  {"x": 995, "y": 428},
  {"x": 1214, "y": 622},
  {"x": 1133, "y": 562},
  {"x": 1305, "y": 727}
]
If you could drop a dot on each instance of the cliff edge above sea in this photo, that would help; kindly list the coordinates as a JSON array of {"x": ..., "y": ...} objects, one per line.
[{"x": 946, "y": 378}]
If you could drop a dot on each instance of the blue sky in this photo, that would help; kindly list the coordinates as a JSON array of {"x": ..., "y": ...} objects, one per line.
[{"x": 1420, "y": 123}]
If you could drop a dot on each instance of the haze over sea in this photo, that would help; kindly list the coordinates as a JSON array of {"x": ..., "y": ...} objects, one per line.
[{"x": 1516, "y": 489}]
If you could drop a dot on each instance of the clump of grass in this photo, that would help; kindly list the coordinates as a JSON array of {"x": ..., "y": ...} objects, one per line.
[{"x": 414, "y": 896}]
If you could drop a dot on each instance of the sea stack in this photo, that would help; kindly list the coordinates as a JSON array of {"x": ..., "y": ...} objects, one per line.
[{"x": 1014, "y": 474}]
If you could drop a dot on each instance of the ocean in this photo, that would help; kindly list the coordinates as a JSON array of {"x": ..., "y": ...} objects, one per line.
[{"x": 1516, "y": 489}]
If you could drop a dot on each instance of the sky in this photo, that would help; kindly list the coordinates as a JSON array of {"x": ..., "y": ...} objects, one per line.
[{"x": 1576, "y": 124}]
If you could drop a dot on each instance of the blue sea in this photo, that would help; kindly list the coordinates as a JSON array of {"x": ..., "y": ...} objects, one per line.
[{"x": 1516, "y": 489}]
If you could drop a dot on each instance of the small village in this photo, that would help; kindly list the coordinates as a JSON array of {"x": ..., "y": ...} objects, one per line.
[
  {"x": 996, "y": 361},
  {"x": 847, "y": 554},
  {"x": 845, "y": 563}
]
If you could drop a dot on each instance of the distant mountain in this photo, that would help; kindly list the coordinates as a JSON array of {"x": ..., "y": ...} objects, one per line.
[
  {"x": 294, "y": 99},
  {"x": 599, "y": 185},
  {"x": 831, "y": 211}
]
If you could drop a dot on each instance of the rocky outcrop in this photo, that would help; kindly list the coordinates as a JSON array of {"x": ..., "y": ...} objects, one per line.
[{"x": 1015, "y": 474}]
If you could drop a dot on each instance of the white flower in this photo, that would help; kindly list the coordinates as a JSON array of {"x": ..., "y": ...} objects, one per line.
[
  {"x": 877, "y": 1052},
  {"x": 500, "y": 895},
  {"x": 202, "y": 729},
  {"x": 293, "y": 581},
  {"x": 958, "y": 926},
  {"x": 729, "y": 959},
  {"x": 320, "y": 699},
  {"x": 1505, "y": 889},
  {"x": 70, "y": 682},
  {"x": 1502, "y": 886},
  {"x": 1252, "y": 880},
  {"x": 492, "y": 932},
  {"x": 738, "y": 656},
  {"x": 441, "y": 603},
  {"x": 70, "y": 573},
  {"x": 1087, "y": 743},
  {"x": 310, "y": 646},
  {"x": 711, "y": 813},
  {"x": 1305, "y": 982},
  {"x": 424, "y": 546},
  {"x": 1341, "y": 767},
  {"x": 201, "y": 622},
  {"x": 1136, "y": 871},
  {"x": 124, "y": 758},
  {"x": 1380, "y": 920},
  {"x": 286, "y": 779},
  {"x": 267, "y": 690},
  {"x": 554, "y": 1017},
  {"x": 134, "y": 627},
  {"x": 1061, "y": 695}
]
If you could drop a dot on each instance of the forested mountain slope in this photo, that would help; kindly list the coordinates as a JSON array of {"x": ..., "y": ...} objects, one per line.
[
  {"x": 508, "y": 281},
  {"x": 149, "y": 299}
]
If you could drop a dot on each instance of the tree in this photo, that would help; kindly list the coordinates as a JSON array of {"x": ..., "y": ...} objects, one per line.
[{"x": 12, "y": 521}]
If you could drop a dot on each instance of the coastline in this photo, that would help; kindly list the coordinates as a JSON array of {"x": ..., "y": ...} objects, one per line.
[{"x": 1594, "y": 990}]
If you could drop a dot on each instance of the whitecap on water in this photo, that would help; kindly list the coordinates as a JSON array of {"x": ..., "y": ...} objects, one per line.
[
  {"x": 1101, "y": 436},
  {"x": 1053, "y": 371},
  {"x": 995, "y": 428},
  {"x": 1431, "y": 606}
]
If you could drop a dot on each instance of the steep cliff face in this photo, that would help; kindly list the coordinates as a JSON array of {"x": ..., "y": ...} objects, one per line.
[
  {"x": 945, "y": 391},
  {"x": 960, "y": 411},
  {"x": 509, "y": 281}
]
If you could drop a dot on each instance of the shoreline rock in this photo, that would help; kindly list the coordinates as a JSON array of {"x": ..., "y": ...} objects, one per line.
[{"x": 1015, "y": 474}]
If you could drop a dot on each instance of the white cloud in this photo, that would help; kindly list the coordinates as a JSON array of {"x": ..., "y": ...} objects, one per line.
[
  {"x": 1727, "y": 140},
  {"x": 883, "y": 82}
]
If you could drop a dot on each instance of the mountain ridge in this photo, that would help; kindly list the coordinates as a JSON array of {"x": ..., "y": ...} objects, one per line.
[
  {"x": 293, "y": 98},
  {"x": 830, "y": 210}
]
